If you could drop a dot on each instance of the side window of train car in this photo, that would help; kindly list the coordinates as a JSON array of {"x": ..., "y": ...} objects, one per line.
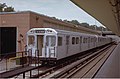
[
  {"x": 59, "y": 41},
  {"x": 73, "y": 40},
  {"x": 67, "y": 40},
  {"x": 94, "y": 39},
  {"x": 98, "y": 39},
  {"x": 84, "y": 40},
  {"x": 88, "y": 41},
  {"x": 91, "y": 40},
  {"x": 81, "y": 39},
  {"x": 77, "y": 40}
]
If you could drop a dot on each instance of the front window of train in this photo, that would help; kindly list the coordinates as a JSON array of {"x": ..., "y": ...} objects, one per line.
[
  {"x": 50, "y": 40},
  {"x": 31, "y": 40}
]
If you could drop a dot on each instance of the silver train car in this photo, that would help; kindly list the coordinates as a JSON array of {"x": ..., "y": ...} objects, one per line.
[{"x": 55, "y": 44}]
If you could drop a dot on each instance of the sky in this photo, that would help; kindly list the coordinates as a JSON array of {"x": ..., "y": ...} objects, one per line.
[{"x": 61, "y": 9}]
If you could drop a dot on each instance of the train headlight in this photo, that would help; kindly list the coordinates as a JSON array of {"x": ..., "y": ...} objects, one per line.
[
  {"x": 49, "y": 31},
  {"x": 32, "y": 31}
]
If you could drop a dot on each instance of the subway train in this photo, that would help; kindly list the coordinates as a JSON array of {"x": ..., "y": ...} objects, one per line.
[{"x": 55, "y": 44}]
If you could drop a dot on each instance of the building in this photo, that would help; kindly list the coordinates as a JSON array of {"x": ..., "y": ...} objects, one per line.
[{"x": 14, "y": 25}]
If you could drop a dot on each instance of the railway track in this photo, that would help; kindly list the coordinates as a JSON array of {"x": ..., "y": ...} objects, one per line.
[
  {"x": 86, "y": 67},
  {"x": 71, "y": 70}
]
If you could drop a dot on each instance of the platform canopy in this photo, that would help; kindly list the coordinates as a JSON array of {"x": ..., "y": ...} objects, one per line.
[{"x": 106, "y": 12}]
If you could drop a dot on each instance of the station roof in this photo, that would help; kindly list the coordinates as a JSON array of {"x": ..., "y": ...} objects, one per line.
[{"x": 106, "y": 12}]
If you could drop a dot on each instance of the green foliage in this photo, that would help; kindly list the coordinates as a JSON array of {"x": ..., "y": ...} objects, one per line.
[
  {"x": 9, "y": 9},
  {"x": 75, "y": 22},
  {"x": 93, "y": 27},
  {"x": 5, "y": 8}
]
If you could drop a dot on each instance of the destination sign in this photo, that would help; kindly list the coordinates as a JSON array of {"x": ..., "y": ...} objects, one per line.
[{"x": 39, "y": 31}]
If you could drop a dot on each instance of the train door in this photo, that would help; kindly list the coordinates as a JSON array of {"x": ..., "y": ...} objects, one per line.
[
  {"x": 67, "y": 44},
  {"x": 40, "y": 44},
  {"x": 50, "y": 46}
]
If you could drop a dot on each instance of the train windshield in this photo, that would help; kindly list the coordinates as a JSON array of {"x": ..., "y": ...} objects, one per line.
[
  {"x": 31, "y": 40},
  {"x": 50, "y": 40}
]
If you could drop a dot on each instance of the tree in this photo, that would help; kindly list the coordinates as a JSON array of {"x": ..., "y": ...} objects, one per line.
[
  {"x": 9, "y": 9},
  {"x": 75, "y": 22},
  {"x": 5, "y": 8},
  {"x": 2, "y": 6},
  {"x": 85, "y": 25},
  {"x": 93, "y": 27},
  {"x": 65, "y": 20}
]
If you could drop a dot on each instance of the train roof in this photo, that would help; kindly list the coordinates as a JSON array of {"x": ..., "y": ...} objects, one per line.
[
  {"x": 41, "y": 31},
  {"x": 54, "y": 31}
]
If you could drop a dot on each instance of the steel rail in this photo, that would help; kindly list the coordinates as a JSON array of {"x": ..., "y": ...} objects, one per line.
[
  {"x": 67, "y": 68},
  {"x": 78, "y": 64}
]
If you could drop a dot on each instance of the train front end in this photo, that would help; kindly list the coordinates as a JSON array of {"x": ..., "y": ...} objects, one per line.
[{"x": 42, "y": 43}]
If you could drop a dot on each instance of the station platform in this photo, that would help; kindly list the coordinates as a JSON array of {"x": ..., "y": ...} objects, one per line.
[{"x": 111, "y": 68}]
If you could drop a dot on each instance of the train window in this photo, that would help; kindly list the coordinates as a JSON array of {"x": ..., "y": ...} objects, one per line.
[
  {"x": 98, "y": 39},
  {"x": 50, "y": 40},
  {"x": 95, "y": 39},
  {"x": 91, "y": 40},
  {"x": 73, "y": 40},
  {"x": 88, "y": 39},
  {"x": 59, "y": 41},
  {"x": 31, "y": 40},
  {"x": 84, "y": 40},
  {"x": 80, "y": 39},
  {"x": 77, "y": 40},
  {"x": 67, "y": 40}
]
